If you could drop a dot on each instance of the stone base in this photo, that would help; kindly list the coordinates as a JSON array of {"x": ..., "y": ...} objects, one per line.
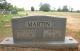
[{"x": 68, "y": 43}]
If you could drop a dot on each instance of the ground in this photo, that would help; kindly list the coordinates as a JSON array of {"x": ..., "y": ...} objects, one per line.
[{"x": 72, "y": 26}]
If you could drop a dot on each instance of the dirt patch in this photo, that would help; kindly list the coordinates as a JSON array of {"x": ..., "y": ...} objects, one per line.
[{"x": 73, "y": 23}]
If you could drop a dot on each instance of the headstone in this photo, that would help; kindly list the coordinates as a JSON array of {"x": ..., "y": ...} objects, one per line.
[
  {"x": 14, "y": 12},
  {"x": 38, "y": 28},
  {"x": 3, "y": 11},
  {"x": 39, "y": 32}
]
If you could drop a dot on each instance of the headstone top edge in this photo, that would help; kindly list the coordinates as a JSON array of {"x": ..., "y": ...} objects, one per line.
[{"x": 18, "y": 17}]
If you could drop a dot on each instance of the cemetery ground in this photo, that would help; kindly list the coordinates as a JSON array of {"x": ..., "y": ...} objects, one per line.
[{"x": 72, "y": 27}]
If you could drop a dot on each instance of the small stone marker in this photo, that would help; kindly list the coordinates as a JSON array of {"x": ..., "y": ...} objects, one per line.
[
  {"x": 39, "y": 32},
  {"x": 38, "y": 28}
]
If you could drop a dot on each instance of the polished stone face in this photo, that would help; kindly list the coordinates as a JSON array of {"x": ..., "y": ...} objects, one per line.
[{"x": 38, "y": 28}]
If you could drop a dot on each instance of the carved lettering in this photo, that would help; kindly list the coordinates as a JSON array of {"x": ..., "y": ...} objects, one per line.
[{"x": 37, "y": 24}]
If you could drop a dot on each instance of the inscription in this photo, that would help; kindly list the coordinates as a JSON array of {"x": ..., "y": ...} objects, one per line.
[
  {"x": 37, "y": 24},
  {"x": 38, "y": 28}
]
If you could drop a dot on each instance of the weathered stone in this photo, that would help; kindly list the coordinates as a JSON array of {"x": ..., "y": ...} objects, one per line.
[{"x": 38, "y": 28}]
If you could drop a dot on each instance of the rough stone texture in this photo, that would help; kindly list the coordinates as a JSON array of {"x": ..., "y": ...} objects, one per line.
[{"x": 38, "y": 28}]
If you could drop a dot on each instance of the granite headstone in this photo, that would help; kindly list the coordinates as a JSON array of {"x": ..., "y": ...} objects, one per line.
[
  {"x": 38, "y": 28},
  {"x": 39, "y": 32}
]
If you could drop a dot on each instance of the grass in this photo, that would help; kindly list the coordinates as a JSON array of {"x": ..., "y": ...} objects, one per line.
[
  {"x": 73, "y": 14},
  {"x": 78, "y": 33},
  {"x": 5, "y": 19}
]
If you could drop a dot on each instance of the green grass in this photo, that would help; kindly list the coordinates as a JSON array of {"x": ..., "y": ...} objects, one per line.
[
  {"x": 22, "y": 13},
  {"x": 6, "y": 19},
  {"x": 78, "y": 33}
]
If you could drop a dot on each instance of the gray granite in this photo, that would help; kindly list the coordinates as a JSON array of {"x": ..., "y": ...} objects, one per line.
[
  {"x": 38, "y": 28},
  {"x": 69, "y": 42}
]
